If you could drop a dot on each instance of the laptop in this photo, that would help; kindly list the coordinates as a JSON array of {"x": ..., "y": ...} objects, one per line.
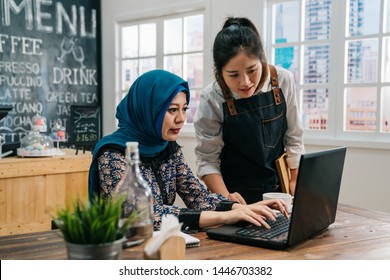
[{"x": 315, "y": 204}]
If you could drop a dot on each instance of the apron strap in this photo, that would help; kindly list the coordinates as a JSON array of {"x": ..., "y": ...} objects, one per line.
[
  {"x": 231, "y": 107},
  {"x": 275, "y": 84},
  {"x": 230, "y": 103}
]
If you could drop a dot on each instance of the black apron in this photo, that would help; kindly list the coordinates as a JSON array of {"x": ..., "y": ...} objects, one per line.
[{"x": 253, "y": 132}]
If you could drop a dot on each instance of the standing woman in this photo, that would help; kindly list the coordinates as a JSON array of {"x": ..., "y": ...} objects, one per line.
[{"x": 246, "y": 118}]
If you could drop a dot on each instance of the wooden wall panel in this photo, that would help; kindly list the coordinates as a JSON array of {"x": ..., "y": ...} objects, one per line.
[{"x": 32, "y": 190}]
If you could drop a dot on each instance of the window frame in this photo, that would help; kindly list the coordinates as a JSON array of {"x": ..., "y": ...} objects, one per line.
[{"x": 158, "y": 18}]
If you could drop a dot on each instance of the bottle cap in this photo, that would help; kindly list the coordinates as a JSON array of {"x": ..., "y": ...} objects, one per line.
[
  {"x": 132, "y": 150},
  {"x": 132, "y": 146}
]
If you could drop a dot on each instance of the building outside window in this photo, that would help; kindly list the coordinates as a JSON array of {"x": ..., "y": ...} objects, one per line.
[{"x": 339, "y": 53}]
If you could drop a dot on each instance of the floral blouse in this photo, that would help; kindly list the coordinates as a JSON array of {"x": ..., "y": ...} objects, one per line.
[{"x": 167, "y": 174}]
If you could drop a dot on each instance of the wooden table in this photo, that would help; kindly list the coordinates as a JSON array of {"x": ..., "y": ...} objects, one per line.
[
  {"x": 32, "y": 189},
  {"x": 357, "y": 234}
]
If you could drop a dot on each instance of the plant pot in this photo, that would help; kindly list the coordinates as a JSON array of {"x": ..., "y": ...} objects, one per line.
[{"x": 104, "y": 251}]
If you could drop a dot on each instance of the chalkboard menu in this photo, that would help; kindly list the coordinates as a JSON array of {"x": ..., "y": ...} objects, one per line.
[
  {"x": 85, "y": 125},
  {"x": 49, "y": 62}
]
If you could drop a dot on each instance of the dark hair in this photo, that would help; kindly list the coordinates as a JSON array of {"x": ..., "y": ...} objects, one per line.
[{"x": 237, "y": 35}]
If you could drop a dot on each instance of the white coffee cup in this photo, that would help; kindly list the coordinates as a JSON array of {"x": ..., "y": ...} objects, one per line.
[{"x": 278, "y": 195}]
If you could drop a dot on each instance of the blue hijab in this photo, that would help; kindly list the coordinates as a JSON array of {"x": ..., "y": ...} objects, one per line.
[{"x": 140, "y": 116}]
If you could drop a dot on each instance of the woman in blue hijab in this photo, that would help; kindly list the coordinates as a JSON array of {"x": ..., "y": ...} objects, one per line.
[{"x": 152, "y": 114}]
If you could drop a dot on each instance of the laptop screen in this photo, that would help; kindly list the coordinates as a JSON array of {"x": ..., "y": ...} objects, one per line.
[{"x": 318, "y": 187}]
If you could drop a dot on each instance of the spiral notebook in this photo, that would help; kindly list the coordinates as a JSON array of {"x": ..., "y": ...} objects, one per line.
[{"x": 190, "y": 240}]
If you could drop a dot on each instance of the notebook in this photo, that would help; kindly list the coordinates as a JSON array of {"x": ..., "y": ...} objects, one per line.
[
  {"x": 283, "y": 172},
  {"x": 314, "y": 209},
  {"x": 191, "y": 241}
]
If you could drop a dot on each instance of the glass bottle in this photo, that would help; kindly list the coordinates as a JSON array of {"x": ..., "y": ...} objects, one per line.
[{"x": 138, "y": 198}]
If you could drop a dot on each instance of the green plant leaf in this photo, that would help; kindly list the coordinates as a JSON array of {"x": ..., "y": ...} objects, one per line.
[{"x": 94, "y": 222}]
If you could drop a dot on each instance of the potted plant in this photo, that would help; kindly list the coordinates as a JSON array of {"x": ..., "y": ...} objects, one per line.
[{"x": 94, "y": 230}]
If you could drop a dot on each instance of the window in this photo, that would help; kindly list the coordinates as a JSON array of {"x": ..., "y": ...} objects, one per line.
[
  {"x": 339, "y": 53},
  {"x": 174, "y": 43}
]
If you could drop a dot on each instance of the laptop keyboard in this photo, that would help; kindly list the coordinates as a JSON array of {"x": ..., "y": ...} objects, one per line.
[{"x": 279, "y": 226}]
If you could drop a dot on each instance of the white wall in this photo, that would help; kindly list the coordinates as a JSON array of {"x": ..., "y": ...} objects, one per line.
[{"x": 365, "y": 181}]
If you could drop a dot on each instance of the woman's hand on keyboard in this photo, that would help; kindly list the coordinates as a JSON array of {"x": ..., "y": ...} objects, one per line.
[
  {"x": 276, "y": 204},
  {"x": 257, "y": 213}
]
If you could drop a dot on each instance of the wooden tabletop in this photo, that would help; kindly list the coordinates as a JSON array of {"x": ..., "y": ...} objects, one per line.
[{"x": 357, "y": 234}]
